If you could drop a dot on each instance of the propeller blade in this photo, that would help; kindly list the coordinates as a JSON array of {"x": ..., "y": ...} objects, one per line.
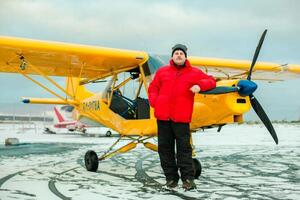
[
  {"x": 256, "y": 53},
  {"x": 263, "y": 117}
]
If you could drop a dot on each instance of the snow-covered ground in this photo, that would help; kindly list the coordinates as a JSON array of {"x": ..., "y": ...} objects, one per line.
[{"x": 240, "y": 162}]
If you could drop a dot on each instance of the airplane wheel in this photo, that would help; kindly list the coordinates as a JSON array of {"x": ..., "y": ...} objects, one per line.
[
  {"x": 197, "y": 168},
  {"x": 108, "y": 133},
  {"x": 91, "y": 161}
]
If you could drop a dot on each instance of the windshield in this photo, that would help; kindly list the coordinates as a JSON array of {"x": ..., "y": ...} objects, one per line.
[{"x": 155, "y": 62}]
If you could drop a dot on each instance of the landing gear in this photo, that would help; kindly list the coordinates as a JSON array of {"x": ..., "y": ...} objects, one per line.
[
  {"x": 48, "y": 131},
  {"x": 108, "y": 133},
  {"x": 91, "y": 161},
  {"x": 197, "y": 168}
]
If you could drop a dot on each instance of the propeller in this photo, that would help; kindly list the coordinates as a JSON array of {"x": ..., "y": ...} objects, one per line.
[
  {"x": 247, "y": 88},
  {"x": 254, "y": 102},
  {"x": 262, "y": 38},
  {"x": 263, "y": 116}
]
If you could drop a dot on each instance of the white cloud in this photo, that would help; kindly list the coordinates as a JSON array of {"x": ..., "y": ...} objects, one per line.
[{"x": 136, "y": 24}]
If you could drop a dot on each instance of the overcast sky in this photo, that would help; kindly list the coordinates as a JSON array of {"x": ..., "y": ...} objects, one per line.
[{"x": 226, "y": 29}]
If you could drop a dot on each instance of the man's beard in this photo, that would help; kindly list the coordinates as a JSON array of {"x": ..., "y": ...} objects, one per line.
[{"x": 180, "y": 66}]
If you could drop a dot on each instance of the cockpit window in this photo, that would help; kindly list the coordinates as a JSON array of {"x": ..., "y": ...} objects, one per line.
[{"x": 155, "y": 62}]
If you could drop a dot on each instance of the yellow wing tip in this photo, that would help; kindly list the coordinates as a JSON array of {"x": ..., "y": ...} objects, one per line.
[{"x": 294, "y": 68}]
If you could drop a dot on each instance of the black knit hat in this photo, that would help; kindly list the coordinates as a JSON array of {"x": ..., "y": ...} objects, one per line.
[{"x": 179, "y": 47}]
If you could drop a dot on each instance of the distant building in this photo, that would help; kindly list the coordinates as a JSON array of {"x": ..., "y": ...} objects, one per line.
[{"x": 24, "y": 118}]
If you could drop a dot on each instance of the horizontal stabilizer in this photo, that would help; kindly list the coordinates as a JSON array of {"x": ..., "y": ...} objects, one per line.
[{"x": 47, "y": 101}]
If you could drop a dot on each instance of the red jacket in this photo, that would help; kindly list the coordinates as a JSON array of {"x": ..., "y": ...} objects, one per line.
[{"x": 169, "y": 92}]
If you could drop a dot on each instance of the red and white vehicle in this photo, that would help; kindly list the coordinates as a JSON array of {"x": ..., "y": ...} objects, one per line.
[{"x": 71, "y": 125}]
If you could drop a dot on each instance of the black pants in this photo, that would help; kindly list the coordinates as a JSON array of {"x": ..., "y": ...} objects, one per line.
[{"x": 170, "y": 132}]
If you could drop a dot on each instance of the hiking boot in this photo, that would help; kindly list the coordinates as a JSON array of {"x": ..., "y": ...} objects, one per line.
[
  {"x": 188, "y": 184},
  {"x": 171, "y": 183}
]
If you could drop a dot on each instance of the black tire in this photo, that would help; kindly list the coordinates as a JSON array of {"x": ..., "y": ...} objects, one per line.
[
  {"x": 91, "y": 161},
  {"x": 108, "y": 133},
  {"x": 197, "y": 168}
]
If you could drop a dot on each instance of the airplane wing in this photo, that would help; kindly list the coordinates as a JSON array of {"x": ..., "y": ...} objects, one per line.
[
  {"x": 228, "y": 68},
  {"x": 19, "y": 55}
]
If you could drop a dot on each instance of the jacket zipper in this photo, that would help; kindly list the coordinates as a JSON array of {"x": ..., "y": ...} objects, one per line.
[{"x": 172, "y": 94}]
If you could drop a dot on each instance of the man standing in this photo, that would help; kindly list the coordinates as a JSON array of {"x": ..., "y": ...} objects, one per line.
[{"x": 171, "y": 94}]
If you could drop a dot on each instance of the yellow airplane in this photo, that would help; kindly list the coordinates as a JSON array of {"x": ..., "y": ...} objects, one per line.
[{"x": 131, "y": 116}]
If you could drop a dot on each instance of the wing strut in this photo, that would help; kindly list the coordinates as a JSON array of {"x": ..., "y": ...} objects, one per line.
[{"x": 25, "y": 63}]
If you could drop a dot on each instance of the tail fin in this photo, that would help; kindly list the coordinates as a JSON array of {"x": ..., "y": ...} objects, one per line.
[
  {"x": 58, "y": 115},
  {"x": 72, "y": 85},
  {"x": 76, "y": 90}
]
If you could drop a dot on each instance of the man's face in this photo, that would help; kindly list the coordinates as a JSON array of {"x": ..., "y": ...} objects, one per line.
[{"x": 179, "y": 57}]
